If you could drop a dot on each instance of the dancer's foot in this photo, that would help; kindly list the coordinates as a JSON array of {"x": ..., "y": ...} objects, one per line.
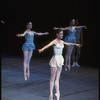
[
  {"x": 67, "y": 68},
  {"x": 25, "y": 77},
  {"x": 57, "y": 96},
  {"x": 77, "y": 64}
]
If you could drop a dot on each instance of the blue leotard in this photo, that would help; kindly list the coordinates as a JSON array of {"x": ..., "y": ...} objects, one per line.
[
  {"x": 28, "y": 45},
  {"x": 70, "y": 37}
]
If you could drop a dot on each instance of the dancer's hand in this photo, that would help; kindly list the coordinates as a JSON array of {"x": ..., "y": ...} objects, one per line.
[
  {"x": 55, "y": 28},
  {"x": 46, "y": 33},
  {"x": 18, "y": 35},
  {"x": 85, "y": 27},
  {"x": 78, "y": 45},
  {"x": 81, "y": 45},
  {"x": 40, "y": 50}
]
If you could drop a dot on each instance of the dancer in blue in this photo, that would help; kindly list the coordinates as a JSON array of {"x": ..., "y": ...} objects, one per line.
[
  {"x": 28, "y": 47},
  {"x": 69, "y": 38}
]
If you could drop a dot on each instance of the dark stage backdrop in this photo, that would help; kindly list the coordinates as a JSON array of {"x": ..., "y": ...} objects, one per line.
[{"x": 45, "y": 14}]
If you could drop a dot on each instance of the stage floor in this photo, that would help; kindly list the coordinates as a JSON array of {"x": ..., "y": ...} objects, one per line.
[{"x": 79, "y": 84}]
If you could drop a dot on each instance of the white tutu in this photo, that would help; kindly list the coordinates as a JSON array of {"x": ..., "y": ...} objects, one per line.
[{"x": 56, "y": 61}]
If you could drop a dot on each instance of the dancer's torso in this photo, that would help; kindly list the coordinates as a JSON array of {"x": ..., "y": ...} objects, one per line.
[
  {"x": 29, "y": 38},
  {"x": 71, "y": 32},
  {"x": 58, "y": 49}
]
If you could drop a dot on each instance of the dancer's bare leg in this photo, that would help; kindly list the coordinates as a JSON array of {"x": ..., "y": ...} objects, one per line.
[
  {"x": 68, "y": 57},
  {"x": 29, "y": 59},
  {"x": 59, "y": 69},
  {"x": 25, "y": 63},
  {"x": 52, "y": 79}
]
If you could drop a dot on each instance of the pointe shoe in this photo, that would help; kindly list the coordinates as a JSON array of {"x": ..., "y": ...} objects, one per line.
[
  {"x": 57, "y": 96},
  {"x": 67, "y": 68},
  {"x": 25, "y": 77}
]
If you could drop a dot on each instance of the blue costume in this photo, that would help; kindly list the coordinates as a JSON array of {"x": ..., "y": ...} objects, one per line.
[
  {"x": 28, "y": 45},
  {"x": 70, "y": 38}
]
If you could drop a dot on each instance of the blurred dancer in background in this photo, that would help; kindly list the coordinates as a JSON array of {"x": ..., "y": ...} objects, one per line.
[
  {"x": 76, "y": 49},
  {"x": 71, "y": 39}
]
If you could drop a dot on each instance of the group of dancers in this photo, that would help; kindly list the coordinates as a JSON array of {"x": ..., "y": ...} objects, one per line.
[{"x": 57, "y": 60}]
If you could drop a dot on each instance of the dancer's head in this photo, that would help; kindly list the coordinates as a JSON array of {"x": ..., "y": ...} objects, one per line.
[
  {"x": 77, "y": 22},
  {"x": 59, "y": 34},
  {"x": 72, "y": 22},
  {"x": 29, "y": 25}
]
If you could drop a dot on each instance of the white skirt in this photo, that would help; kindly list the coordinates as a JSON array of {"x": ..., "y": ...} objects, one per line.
[{"x": 56, "y": 61}]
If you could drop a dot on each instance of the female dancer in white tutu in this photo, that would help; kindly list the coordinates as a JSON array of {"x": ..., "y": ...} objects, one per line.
[{"x": 56, "y": 62}]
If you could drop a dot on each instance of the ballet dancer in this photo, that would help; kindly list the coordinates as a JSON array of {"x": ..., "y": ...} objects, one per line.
[
  {"x": 28, "y": 47},
  {"x": 76, "y": 50},
  {"x": 69, "y": 38},
  {"x": 56, "y": 62}
]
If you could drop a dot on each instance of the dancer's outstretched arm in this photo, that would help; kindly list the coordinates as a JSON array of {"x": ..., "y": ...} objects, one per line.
[
  {"x": 21, "y": 35},
  {"x": 80, "y": 27},
  {"x": 66, "y": 28},
  {"x": 71, "y": 44},
  {"x": 37, "y": 33},
  {"x": 47, "y": 46}
]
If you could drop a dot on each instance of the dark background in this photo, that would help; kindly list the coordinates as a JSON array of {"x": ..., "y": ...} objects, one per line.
[{"x": 45, "y": 14}]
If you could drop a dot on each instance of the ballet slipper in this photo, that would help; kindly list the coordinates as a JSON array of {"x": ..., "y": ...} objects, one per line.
[
  {"x": 66, "y": 68},
  {"x": 57, "y": 96},
  {"x": 25, "y": 77}
]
